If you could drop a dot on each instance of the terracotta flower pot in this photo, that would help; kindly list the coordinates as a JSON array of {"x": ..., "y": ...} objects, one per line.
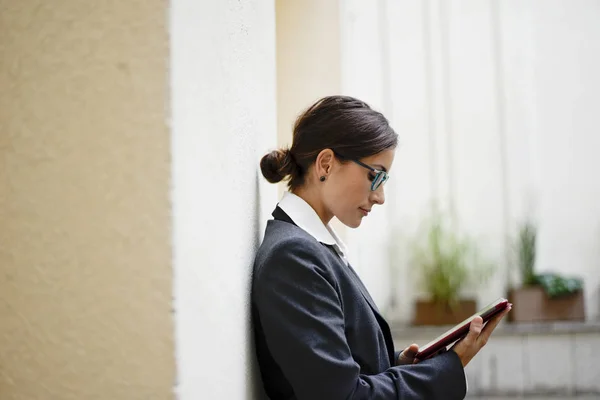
[
  {"x": 532, "y": 304},
  {"x": 431, "y": 313}
]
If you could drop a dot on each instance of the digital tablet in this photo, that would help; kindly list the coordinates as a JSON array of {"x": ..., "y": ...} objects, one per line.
[{"x": 460, "y": 330}]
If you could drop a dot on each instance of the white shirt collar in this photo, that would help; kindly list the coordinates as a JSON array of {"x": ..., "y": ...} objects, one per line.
[{"x": 307, "y": 219}]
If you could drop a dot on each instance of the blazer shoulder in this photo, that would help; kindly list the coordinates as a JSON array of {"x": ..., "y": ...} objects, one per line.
[
  {"x": 281, "y": 234},
  {"x": 285, "y": 242}
]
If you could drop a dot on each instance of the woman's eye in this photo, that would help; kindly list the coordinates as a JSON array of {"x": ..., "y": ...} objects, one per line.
[{"x": 372, "y": 176}]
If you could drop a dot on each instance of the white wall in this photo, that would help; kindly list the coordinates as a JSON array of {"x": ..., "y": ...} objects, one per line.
[
  {"x": 223, "y": 120},
  {"x": 496, "y": 106},
  {"x": 567, "y": 139},
  {"x": 365, "y": 74}
]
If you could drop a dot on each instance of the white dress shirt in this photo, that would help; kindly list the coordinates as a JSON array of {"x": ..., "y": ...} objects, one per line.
[{"x": 308, "y": 220}]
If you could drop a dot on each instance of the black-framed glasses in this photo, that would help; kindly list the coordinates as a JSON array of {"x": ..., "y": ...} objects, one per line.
[{"x": 378, "y": 177}]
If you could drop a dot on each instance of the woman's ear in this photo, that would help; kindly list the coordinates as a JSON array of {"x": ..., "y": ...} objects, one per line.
[{"x": 324, "y": 162}]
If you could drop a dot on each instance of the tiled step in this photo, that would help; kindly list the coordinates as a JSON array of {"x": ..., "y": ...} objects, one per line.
[{"x": 528, "y": 359}]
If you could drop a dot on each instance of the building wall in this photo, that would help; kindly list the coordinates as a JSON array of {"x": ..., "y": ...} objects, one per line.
[
  {"x": 495, "y": 105},
  {"x": 366, "y": 74},
  {"x": 124, "y": 160},
  {"x": 309, "y": 64},
  {"x": 308, "y": 58},
  {"x": 85, "y": 254},
  {"x": 567, "y": 61},
  {"x": 224, "y": 120}
]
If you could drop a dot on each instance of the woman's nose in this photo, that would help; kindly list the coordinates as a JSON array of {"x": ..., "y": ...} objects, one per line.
[{"x": 378, "y": 195}]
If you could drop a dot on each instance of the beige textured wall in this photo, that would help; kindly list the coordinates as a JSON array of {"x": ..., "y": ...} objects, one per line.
[
  {"x": 85, "y": 259},
  {"x": 308, "y": 63},
  {"x": 308, "y": 58}
]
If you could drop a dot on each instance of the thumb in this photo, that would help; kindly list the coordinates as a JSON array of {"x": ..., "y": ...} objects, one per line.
[
  {"x": 474, "y": 330},
  {"x": 408, "y": 354},
  {"x": 411, "y": 350}
]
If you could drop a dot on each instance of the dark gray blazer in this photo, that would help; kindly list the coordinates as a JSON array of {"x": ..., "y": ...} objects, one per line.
[{"x": 319, "y": 335}]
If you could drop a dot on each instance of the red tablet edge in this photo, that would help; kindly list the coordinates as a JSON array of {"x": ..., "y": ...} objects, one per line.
[{"x": 460, "y": 330}]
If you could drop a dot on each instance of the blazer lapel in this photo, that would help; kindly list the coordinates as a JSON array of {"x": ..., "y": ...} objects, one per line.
[
  {"x": 281, "y": 215},
  {"x": 363, "y": 289},
  {"x": 385, "y": 328}
]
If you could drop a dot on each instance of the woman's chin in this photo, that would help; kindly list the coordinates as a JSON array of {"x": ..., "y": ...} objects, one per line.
[{"x": 352, "y": 223}]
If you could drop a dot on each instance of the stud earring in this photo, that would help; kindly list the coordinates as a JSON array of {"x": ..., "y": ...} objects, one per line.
[{"x": 322, "y": 179}]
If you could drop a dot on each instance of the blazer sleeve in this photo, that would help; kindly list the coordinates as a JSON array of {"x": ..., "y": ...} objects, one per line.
[
  {"x": 397, "y": 356},
  {"x": 303, "y": 322}
]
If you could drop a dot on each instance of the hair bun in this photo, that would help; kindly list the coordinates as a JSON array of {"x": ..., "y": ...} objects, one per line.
[{"x": 277, "y": 165}]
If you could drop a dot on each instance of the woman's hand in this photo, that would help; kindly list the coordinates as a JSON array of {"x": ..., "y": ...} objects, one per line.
[
  {"x": 477, "y": 337},
  {"x": 408, "y": 355}
]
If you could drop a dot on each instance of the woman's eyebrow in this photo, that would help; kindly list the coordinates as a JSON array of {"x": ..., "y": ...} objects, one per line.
[{"x": 381, "y": 167}]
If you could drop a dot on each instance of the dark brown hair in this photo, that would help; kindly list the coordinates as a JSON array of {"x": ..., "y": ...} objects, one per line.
[{"x": 346, "y": 125}]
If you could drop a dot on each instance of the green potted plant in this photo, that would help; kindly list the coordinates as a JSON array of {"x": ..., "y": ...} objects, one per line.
[
  {"x": 543, "y": 296},
  {"x": 447, "y": 264}
]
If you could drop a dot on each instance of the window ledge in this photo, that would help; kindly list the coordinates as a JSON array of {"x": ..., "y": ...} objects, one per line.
[{"x": 400, "y": 330}]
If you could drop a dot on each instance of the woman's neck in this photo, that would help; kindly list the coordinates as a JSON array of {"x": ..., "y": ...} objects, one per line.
[{"x": 314, "y": 200}]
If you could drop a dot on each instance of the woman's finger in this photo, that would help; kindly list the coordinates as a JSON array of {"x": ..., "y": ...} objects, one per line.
[
  {"x": 407, "y": 356},
  {"x": 492, "y": 323},
  {"x": 474, "y": 330}
]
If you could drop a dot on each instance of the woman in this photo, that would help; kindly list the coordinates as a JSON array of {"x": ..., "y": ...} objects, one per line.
[{"x": 318, "y": 333}]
